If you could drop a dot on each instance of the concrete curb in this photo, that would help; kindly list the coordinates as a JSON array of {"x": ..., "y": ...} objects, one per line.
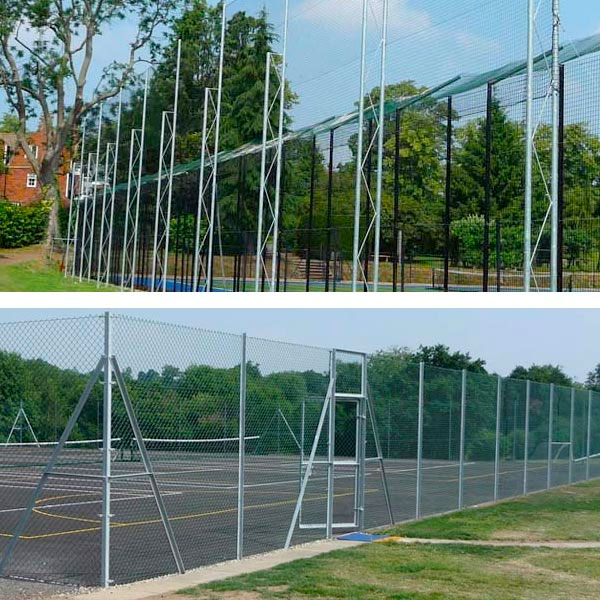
[
  {"x": 173, "y": 583},
  {"x": 495, "y": 543}
]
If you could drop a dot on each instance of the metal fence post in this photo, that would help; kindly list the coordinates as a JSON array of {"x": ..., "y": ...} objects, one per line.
[
  {"x": 550, "y": 428},
  {"x": 526, "y": 444},
  {"x": 461, "y": 467},
  {"x": 241, "y": 452},
  {"x": 420, "y": 438},
  {"x": 331, "y": 450},
  {"x": 588, "y": 436},
  {"x": 497, "y": 444},
  {"x": 106, "y": 453},
  {"x": 571, "y": 434}
]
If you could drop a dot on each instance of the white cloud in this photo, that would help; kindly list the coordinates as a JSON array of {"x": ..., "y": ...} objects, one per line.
[{"x": 347, "y": 15}]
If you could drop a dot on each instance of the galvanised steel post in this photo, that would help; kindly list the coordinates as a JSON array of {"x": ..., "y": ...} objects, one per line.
[
  {"x": 497, "y": 443},
  {"x": 488, "y": 186},
  {"x": 556, "y": 104},
  {"x": 529, "y": 148},
  {"x": 81, "y": 159},
  {"x": 588, "y": 436},
  {"x": 359, "y": 149},
  {"x": 279, "y": 164},
  {"x": 241, "y": 452},
  {"x": 311, "y": 207},
  {"x": 94, "y": 195},
  {"x": 526, "y": 445},
  {"x": 106, "y": 453},
  {"x": 213, "y": 199},
  {"x": 420, "y": 438},
  {"x": 171, "y": 167},
  {"x": 461, "y": 459},
  {"x": 448, "y": 194},
  {"x": 571, "y": 434},
  {"x": 561, "y": 180},
  {"x": 363, "y": 443},
  {"x": 396, "y": 253},
  {"x": 329, "y": 208},
  {"x": 263, "y": 176},
  {"x": 331, "y": 450},
  {"x": 380, "y": 143},
  {"x": 550, "y": 437}
]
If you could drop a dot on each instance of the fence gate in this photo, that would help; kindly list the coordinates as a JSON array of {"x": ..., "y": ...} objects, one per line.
[{"x": 337, "y": 454}]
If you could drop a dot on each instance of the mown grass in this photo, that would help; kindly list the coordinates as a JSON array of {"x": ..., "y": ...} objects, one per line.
[
  {"x": 568, "y": 513},
  {"x": 390, "y": 571},
  {"x": 35, "y": 276},
  {"x": 395, "y": 571}
]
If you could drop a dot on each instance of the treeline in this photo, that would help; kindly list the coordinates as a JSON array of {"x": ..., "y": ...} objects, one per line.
[{"x": 202, "y": 402}]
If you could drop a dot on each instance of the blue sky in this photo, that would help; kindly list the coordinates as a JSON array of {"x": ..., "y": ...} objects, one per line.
[
  {"x": 504, "y": 338},
  {"x": 430, "y": 41}
]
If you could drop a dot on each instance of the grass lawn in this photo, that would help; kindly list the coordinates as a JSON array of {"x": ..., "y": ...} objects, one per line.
[
  {"x": 569, "y": 513},
  {"x": 393, "y": 571},
  {"x": 34, "y": 276}
]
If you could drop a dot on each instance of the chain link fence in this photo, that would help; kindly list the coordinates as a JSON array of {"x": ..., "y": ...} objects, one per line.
[{"x": 132, "y": 449}]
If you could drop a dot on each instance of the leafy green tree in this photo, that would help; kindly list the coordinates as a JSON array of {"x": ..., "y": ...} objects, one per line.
[
  {"x": 48, "y": 78},
  {"x": 593, "y": 379},
  {"x": 542, "y": 374},
  {"x": 441, "y": 356}
]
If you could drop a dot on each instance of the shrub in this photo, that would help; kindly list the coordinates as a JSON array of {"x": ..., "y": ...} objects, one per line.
[{"x": 22, "y": 225}]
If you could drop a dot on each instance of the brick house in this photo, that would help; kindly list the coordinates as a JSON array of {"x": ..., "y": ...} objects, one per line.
[{"x": 18, "y": 182}]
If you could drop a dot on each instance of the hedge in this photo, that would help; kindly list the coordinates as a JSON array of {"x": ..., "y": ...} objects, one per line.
[{"x": 22, "y": 225}]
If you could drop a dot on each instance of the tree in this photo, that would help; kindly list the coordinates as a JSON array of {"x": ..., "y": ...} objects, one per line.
[
  {"x": 542, "y": 374},
  {"x": 49, "y": 77},
  {"x": 441, "y": 356},
  {"x": 593, "y": 379},
  {"x": 9, "y": 123}
]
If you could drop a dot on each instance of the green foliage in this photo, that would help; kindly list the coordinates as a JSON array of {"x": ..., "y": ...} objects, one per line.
[
  {"x": 542, "y": 374},
  {"x": 9, "y": 123},
  {"x": 22, "y": 225}
]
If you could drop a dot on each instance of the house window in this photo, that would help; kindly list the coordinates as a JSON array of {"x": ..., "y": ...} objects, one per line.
[
  {"x": 31, "y": 180},
  {"x": 34, "y": 151},
  {"x": 7, "y": 153}
]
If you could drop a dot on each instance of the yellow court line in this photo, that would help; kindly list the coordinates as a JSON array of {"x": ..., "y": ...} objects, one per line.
[{"x": 180, "y": 518}]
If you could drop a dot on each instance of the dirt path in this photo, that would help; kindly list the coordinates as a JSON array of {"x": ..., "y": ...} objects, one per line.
[
  {"x": 14, "y": 256},
  {"x": 497, "y": 543}
]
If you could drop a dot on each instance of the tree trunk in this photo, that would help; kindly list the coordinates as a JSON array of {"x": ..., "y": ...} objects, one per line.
[{"x": 50, "y": 199}]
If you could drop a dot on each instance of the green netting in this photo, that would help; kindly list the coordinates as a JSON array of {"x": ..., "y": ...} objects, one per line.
[{"x": 456, "y": 85}]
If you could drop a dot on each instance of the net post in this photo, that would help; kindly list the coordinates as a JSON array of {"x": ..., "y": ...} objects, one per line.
[
  {"x": 461, "y": 464},
  {"x": 550, "y": 428},
  {"x": 571, "y": 433},
  {"x": 420, "y": 438},
  {"x": 588, "y": 442},
  {"x": 448, "y": 194},
  {"x": 241, "y": 451},
  {"x": 106, "y": 452},
  {"x": 488, "y": 186},
  {"x": 526, "y": 445},
  {"x": 331, "y": 450},
  {"x": 497, "y": 441}
]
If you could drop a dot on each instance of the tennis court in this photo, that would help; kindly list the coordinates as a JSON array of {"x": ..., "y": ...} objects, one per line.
[{"x": 209, "y": 446}]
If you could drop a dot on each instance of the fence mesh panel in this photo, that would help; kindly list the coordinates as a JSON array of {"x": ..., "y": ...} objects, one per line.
[{"x": 183, "y": 389}]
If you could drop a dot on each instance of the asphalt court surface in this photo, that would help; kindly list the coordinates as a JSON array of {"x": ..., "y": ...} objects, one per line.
[{"x": 62, "y": 542}]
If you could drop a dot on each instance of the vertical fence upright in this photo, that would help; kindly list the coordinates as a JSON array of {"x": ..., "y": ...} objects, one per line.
[
  {"x": 461, "y": 459},
  {"x": 331, "y": 450},
  {"x": 571, "y": 434},
  {"x": 241, "y": 452},
  {"x": 497, "y": 440},
  {"x": 420, "y": 438},
  {"x": 588, "y": 436},
  {"x": 550, "y": 440},
  {"x": 106, "y": 453},
  {"x": 526, "y": 443}
]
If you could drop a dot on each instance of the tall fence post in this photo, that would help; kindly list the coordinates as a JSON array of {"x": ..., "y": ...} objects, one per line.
[
  {"x": 550, "y": 436},
  {"x": 526, "y": 444},
  {"x": 571, "y": 434},
  {"x": 331, "y": 451},
  {"x": 488, "y": 186},
  {"x": 448, "y": 193},
  {"x": 461, "y": 463},
  {"x": 497, "y": 444},
  {"x": 420, "y": 438},
  {"x": 588, "y": 436},
  {"x": 106, "y": 453},
  {"x": 241, "y": 452}
]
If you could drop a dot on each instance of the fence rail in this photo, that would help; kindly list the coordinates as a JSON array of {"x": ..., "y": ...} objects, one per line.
[{"x": 127, "y": 441}]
